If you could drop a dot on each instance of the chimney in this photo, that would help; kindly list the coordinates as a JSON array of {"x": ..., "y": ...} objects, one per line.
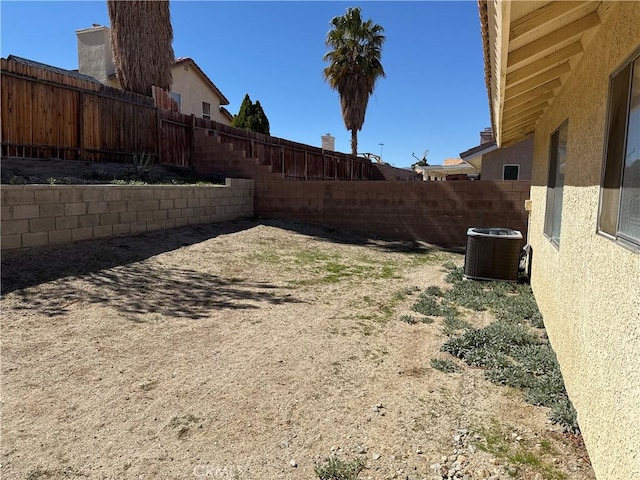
[
  {"x": 328, "y": 142},
  {"x": 94, "y": 53},
  {"x": 486, "y": 136}
]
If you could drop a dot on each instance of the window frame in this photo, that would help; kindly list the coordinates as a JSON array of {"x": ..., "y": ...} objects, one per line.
[
  {"x": 206, "y": 116},
  {"x": 511, "y": 165},
  {"x": 178, "y": 100},
  {"x": 619, "y": 163},
  {"x": 554, "y": 144}
]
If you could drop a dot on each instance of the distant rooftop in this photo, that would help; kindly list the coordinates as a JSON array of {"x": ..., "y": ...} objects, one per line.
[{"x": 480, "y": 149}]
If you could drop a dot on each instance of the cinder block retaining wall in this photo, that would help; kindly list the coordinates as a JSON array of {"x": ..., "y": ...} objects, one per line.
[
  {"x": 434, "y": 212},
  {"x": 36, "y": 215}
]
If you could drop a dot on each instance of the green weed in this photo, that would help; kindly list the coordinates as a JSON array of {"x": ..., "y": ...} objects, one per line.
[
  {"x": 410, "y": 319},
  {"x": 336, "y": 469},
  {"x": 444, "y": 365},
  {"x": 518, "y": 458}
]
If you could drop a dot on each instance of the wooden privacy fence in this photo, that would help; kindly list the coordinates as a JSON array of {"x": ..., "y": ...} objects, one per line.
[{"x": 47, "y": 114}]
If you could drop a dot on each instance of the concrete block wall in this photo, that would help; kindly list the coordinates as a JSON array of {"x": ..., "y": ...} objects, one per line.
[
  {"x": 434, "y": 212},
  {"x": 37, "y": 215}
]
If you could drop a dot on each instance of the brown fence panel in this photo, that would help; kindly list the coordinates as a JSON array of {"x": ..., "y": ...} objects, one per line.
[
  {"x": 16, "y": 110},
  {"x": 91, "y": 127},
  {"x": 49, "y": 114},
  {"x": 175, "y": 138},
  {"x": 174, "y": 145}
]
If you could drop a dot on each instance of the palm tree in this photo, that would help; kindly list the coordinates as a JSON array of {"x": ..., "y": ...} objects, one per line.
[
  {"x": 141, "y": 36},
  {"x": 354, "y": 66}
]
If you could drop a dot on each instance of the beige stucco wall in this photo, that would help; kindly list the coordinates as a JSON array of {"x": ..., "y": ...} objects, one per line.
[
  {"x": 194, "y": 90},
  {"x": 520, "y": 153},
  {"x": 589, "y": 289}
]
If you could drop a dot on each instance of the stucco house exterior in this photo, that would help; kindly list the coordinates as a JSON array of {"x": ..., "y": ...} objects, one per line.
[
  {"x": 507, "y": 163},
  {"x": 569, "y": 73},
  {"x": 192, "y": 89}
]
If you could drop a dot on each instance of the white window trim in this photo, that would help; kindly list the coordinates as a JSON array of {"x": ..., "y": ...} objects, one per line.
[{"x": 206, "y": 116}]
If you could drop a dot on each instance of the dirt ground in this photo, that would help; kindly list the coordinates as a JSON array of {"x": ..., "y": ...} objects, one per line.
[{"x": 248, "y": 350}]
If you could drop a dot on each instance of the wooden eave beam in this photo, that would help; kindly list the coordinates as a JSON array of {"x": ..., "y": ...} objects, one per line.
[
  {"x": 521, "y": 121},
  {"x": 544, "y": 77},
  {"x": 523, "y": 102},
  {"x": 519, "y": 131},
  {"x": 551, "y": 60},
  {"x": 519, "y": 113},
  {"x": 534, "y": 93},
  {"x": 542, "y": 16},
  {"x": 551, "y": 40}
]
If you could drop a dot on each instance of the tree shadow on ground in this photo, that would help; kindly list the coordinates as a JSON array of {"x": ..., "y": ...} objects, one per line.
[
  {"x": 112, "y": 271},
  {"x": 25, "y": 268},
  {"x": 143, "y": 287},
  {"x": 383, "y": 244}
]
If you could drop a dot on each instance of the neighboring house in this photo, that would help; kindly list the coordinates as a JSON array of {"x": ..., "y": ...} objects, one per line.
[
  {"x": 508, "y": 163},
  {"x": 569, "y": 73},
  {"x": 192, "y": 89},
  {"x": 451, "y": 168},
  {"x": 391, "y": 173}
]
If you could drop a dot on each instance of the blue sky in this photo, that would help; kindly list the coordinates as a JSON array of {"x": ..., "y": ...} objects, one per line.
[{"x": 433, "y": 98}]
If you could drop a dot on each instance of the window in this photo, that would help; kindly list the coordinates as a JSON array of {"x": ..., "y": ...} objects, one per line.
[
  {"x": 555, "y": 184},
  {"x": 206, "y": 111},
  {"x": 510, "y": 172},
  {"x": 178, "y": 99},
  {"x": 619, "y": 215}
]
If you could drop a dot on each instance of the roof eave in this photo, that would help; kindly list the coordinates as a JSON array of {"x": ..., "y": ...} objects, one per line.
[{"x": 495, "y": 20}]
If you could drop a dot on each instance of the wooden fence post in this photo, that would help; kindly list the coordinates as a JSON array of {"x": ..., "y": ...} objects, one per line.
[
  {"x": 282, "y": 156},
  {"x": 192, "y": 146},
  {"x": 159, "y": 135}
]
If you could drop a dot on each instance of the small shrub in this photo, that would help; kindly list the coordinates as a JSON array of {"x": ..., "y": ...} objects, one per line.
[
  {"x": 453, "y": 323},
  {"x": 469, "y": 294},
  {"x": 565, "y": 414},
  {"x": 335, "y": 469},
  {"x": 434, "y": 291},
  {"x": 410, "y": 319},
  {"x": 444, "y": 365},
  {"x": 429, "y": 305},
  {"x": 454, "y": 275},
  {"x": 17, "y": 180},
  {"x": 99, "y": 174},
  {"x": 449, "y": 266}
]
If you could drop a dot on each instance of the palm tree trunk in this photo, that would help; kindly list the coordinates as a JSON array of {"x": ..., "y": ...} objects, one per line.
[
  {"x": 354, "y": 142},
  {"x": 141, "y": 41}
]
